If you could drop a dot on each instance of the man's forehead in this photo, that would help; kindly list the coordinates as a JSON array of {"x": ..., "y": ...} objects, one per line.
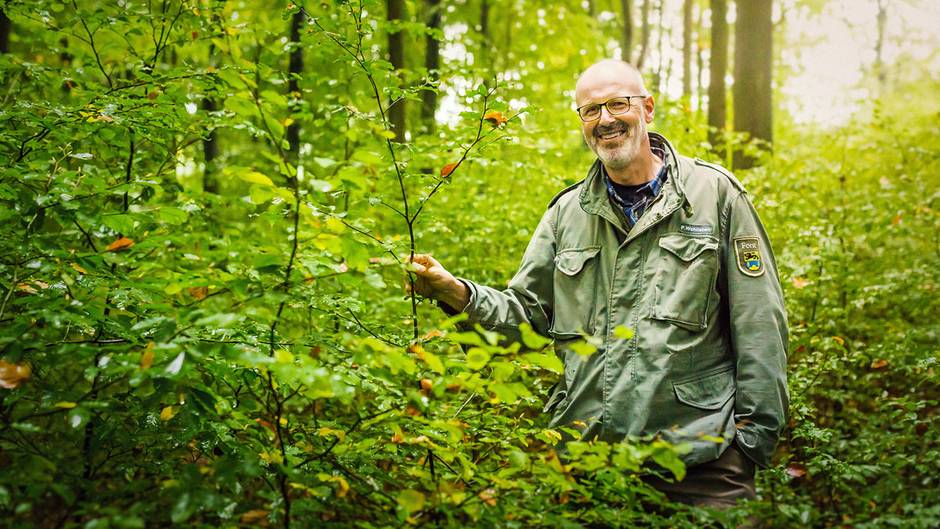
[{"x": 609, "y": 74}]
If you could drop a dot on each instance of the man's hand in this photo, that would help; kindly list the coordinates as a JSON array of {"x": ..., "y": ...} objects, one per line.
[{"x": 433, "y": 281}]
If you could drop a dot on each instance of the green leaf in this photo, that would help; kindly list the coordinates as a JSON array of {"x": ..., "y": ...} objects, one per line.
[
  {"x": 477, "y": 358},
  {"x": 583, "y": 348},
  {"x": 256, "y": 178},
  {"x": 623, "y": 332},
  {"x": 411, "y": 500},
  {"x": 531, "y": 339},
  {"x": 548, "y": 362}
]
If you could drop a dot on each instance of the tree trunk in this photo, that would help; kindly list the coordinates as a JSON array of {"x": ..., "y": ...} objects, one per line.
[
  {"x": 627, "y": 30},
  {"x": 661, "y": 65},
  {"x": 5, "y": 27},
  {"x": 396, "y": 55},
  {"x": 485, "y": 58},
  {"x": 432, "y": 63},
  {"x": 295, "y": 70},
  {"x": 687, "y": 49},
  {"x": 644, "y": 34},
  {"x": 879, "y": 45},
  {"x": 717, "y": 69},
  {"x": 699, "y": 60},
  {"x": 753, "y": 57}
]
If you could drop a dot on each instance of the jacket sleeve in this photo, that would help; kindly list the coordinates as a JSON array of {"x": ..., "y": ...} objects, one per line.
[
  {"x": 758, "y": 331},
  {"x": 528, "y": 299}
]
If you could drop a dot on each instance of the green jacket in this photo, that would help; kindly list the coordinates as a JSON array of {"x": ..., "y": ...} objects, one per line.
[{"x": 695, "y": 280}]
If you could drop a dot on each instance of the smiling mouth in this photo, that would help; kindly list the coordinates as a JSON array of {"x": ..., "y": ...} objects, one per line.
[{"x": 607, "y": 136}]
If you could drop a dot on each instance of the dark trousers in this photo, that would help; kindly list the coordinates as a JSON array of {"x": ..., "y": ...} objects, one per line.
[{"x": 719, "y": 483}]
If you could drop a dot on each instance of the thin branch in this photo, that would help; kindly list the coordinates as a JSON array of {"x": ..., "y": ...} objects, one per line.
[{"x": 94, "y": 50}]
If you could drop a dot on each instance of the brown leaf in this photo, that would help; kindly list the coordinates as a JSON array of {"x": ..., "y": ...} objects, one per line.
[
  {"x": 121, "y": 244},
  {"x": 153, "y": 94},
  {"x": 447, "y": 169},
  {"x": 12, "y": 375},
  {"x": 879, "y": 364},
  {"x": 199, "y": 293},
  {"x": 426, "y": 384},
  {"x": 796, "y": 470},
  {"x": 258, "y": 516},
  {"x": 488, "y": 496},
  {"x": 495, "y": 117}
]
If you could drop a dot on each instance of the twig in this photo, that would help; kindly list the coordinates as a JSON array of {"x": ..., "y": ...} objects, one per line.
[{"x": 94, "y": 50}]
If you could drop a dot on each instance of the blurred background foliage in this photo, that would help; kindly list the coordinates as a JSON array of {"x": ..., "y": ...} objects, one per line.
[{"x": 205, "y": 206}]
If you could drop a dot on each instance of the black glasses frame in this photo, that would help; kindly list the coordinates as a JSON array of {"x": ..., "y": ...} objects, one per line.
[{"x": 604, "y": 105}]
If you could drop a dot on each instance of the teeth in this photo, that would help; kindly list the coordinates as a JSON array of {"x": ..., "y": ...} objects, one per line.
[{"x": 611, "y": 135}]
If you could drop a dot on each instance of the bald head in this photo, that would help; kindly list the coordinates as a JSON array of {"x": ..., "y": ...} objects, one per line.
[{"x": 609, "y": 72}]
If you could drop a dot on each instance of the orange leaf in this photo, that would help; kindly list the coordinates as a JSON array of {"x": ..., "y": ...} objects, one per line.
[
  {"x": 26, "y": 287},
  {"x": 121, "y": 244},
  {"x": 12, "y": 375},
  {"x": 495, "y": 117},
  {"x": 879, "y": 364},
  {"x": 799, "y": 282},
  {"x": 447, "y": 169},
  {"x": 426, "y": 384},
  {"x": 266, "y": 424}
]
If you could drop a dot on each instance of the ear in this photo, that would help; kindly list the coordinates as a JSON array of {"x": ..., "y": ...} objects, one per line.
[{"x": 648, "y": 106}]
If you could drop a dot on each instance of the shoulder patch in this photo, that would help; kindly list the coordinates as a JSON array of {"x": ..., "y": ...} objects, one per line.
[
  {"x": 749, "y": 258},
  {"x": 715, "y": 167},
  {"x": 563, "y": 192}
]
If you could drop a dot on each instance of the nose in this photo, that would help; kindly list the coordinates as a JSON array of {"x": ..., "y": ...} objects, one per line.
[{"x": 606, "y": 116}]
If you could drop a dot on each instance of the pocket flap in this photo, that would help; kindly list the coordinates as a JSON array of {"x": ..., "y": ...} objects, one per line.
[
  {"x": 685, "y": 247},
  {"x": 709, "y": 391},
  {"x": 570, "y": 262}
]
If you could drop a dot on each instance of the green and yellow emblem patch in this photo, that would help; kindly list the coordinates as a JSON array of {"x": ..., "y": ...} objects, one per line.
[{"x": 747, "y": 250}]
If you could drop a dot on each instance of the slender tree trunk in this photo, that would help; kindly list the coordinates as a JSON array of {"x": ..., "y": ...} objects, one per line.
[
  {"x": 295, "y": 69},
  {"x": 699, "y": 59},
  {"x": 644, "y": 34},
  {"x": 396, "y": 55},
  {"x": 879, "y": 45},
  {"x": 660, "y": 63},
  {"x": 687, "y": 48},
  {"x": 432, "y": 63},
  {"x": 627, "y": 43},
  {"x": 590, "y": 8},
  {"x": 485, "y": 57},
  {"x": 717, "y": 69},
  {"x": 5, "y": 27},
  {"x": 753, "y": 57}
]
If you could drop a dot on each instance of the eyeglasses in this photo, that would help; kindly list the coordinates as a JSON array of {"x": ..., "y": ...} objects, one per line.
[{"x": 615, "y": 106}]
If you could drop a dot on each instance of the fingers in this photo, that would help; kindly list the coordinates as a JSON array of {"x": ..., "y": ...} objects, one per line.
[{"x": 420, "y": 263}]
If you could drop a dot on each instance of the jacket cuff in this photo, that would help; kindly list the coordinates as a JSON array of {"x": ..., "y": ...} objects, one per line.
[
  {"x": 756, "y": 448},
  {"x": 450, "y": 311}
]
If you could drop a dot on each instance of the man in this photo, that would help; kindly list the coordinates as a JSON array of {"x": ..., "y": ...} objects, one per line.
[{"x": 671, "y": 248}]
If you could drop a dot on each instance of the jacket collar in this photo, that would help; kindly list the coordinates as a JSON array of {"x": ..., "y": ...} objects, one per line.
[{"x": 595, "y": 199}]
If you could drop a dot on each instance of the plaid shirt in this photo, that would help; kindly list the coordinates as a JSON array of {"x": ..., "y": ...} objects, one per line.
[{"x": 633, "y": 200}]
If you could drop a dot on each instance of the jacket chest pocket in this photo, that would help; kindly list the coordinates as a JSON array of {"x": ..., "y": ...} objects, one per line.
[
  {"x": 685, "y": 280},
  {"x": 575, "y": 291}
]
